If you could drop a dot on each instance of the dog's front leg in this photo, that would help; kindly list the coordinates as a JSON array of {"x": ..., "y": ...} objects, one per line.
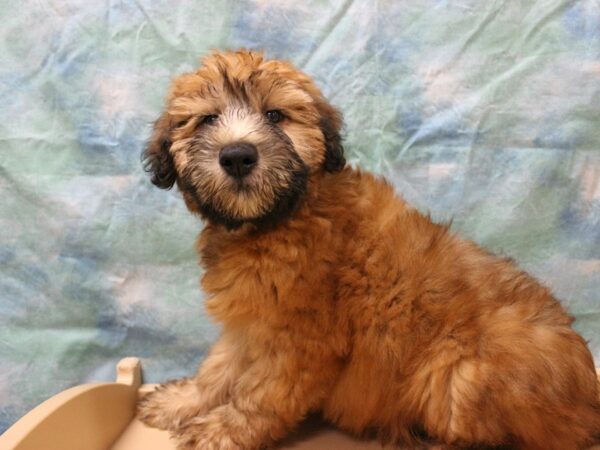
[
  {"x": 175, "y": 402},
  {"x": 272, "y": 396}
]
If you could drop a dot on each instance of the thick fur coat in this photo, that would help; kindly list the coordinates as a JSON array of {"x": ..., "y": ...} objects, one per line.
[{"x": 336, "y": 296}]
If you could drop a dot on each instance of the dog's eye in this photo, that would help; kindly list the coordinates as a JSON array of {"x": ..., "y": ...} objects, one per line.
[
  {"x": 210, "y": 119},
  {"x": 275, "y": 116},
  {"x": 182, "y": 123}
]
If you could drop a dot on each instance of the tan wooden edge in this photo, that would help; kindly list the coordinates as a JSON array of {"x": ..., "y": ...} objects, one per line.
[{"x": 92, "y": 413}]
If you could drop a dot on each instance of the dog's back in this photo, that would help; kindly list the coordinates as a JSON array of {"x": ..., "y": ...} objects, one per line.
[{"x": 452, "y": 339}]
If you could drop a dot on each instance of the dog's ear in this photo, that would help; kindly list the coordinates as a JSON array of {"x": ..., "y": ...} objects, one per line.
[
  {"x": 156, "y": 158},
  {"x": 331, "y": 123}
]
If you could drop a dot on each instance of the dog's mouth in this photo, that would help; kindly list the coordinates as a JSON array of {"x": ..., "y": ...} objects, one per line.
[
  {"x": 243, "y": 186},
  {"x": 264, "y": 201}
]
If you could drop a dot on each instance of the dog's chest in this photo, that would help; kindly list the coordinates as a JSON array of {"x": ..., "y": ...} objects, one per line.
[{"x": 270, "y": 277}]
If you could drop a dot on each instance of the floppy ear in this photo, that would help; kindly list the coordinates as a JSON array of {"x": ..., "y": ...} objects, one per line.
[
  {"x": 331, "y": 122},
  {"x": 156, "y": 157}
]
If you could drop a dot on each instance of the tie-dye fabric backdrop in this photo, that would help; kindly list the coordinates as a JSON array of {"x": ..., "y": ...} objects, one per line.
[{"x": 487, "y": 112}]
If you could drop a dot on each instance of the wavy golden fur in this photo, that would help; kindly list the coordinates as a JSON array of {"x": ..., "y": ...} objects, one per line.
[{"x": 336, "y": 296}]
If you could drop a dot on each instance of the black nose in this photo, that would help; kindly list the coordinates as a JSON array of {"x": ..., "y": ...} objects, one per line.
[{"x": 238, "y": 160}]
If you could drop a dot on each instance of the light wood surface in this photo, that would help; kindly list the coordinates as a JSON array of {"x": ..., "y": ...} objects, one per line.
[{"x": 312, "y": 435}]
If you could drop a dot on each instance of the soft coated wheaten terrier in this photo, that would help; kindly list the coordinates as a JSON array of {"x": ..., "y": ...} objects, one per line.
[{"x": 336, "y": 296}]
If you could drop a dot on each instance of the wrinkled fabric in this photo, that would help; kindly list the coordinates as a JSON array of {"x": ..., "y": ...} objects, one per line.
[{"x": 483, "y": 113}]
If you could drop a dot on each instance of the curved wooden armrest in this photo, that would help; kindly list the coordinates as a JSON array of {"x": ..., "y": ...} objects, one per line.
[{"x": 94, "y": 414}]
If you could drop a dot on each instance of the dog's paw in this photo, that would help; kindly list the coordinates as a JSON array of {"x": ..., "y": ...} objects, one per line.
[
  {"x": 204, "y": 433},
  {"x": 170, "y": 405},
  {"x": 149, "y": 411}
]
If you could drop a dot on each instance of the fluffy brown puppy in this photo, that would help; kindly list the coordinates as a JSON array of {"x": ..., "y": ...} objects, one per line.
[{"x": 336, "y": 296}]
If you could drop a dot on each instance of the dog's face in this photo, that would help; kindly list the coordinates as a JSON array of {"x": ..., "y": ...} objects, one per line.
[{"x": 241, "y": 137}]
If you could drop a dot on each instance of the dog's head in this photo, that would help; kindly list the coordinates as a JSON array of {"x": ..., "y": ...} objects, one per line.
[{"x": 241, "y": 136}]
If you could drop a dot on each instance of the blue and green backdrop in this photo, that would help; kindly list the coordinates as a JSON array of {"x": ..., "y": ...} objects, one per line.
[{"x": 483, "y": 112}]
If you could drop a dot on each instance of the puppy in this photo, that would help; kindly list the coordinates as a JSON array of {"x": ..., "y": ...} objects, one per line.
[{"x": 336, "y": 296}]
